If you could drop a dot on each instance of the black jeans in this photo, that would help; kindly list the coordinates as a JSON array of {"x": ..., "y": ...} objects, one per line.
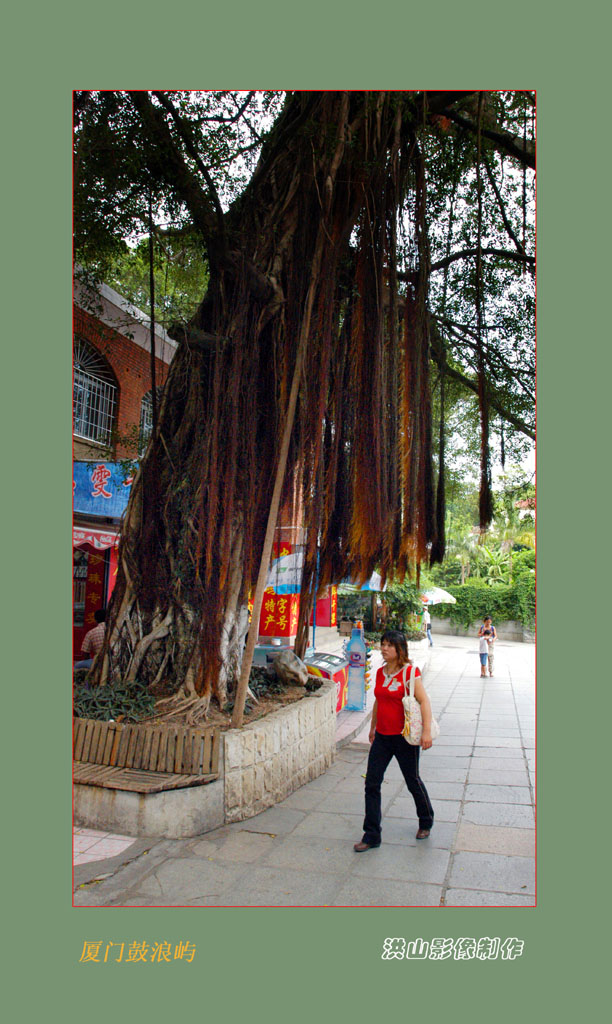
[{"x": 381, "y": 752}]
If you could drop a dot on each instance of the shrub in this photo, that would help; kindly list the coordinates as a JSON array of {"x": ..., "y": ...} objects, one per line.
[
  {"x": 477, "y": 598},
  {"x": 119, "y": 701}
]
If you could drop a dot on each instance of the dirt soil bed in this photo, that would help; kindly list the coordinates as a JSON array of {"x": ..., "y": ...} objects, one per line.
[{"x": 266, "y": 704}]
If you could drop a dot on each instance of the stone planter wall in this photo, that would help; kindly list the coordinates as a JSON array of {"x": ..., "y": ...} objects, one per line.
[{"x": 267, "y": 760}]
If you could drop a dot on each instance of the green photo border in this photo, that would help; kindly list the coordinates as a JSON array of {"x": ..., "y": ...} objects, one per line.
[{"x": 284, "y": 963}]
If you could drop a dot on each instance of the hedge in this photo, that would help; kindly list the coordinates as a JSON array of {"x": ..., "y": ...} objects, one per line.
[{"x": 476, "y": 598}]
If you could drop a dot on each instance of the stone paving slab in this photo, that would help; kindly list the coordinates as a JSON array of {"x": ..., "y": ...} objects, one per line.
[
  {"x": 493, "y": 871},
  {"x": 518, "y": 842},
  {"x": 239, "y": 847},
  {"x": 505, "y": 765},
  {"x": 443, "y": 762},
  {"x": 271, "y": 886},
  {"x": 423, "y": 863},
  {"x": 476, "y": 898},
  {"x": 334, "y": 826},
  {"x": 489, "y": 776},
  {"x": 499, "y": 752},
  {"x": 276, "y": 820},
  {"x": 444, "y": 790},
  {"x": 403, "y": 832},
  {"x": 384, "y": 892},
  {"x": 512, "y": 742},
  {"x": 304, "y": 799},
  {"x": 353, "y": 803},
  {"x": 498, "y": 794},
  {"x": 506, "y": 815},
  {"x": 318, "y": 854},
  {"x": 403, "y": 807},
  {"x": 446, "y": 775}
]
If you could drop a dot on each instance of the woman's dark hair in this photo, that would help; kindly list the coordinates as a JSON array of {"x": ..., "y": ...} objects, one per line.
[{"x": 398, "y": 640}]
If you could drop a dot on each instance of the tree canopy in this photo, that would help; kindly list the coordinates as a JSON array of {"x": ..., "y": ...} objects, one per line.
[{"x": 368, "y": 257}]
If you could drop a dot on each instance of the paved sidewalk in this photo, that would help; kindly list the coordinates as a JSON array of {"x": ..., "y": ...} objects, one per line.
[{"x": 481, "y": 851}]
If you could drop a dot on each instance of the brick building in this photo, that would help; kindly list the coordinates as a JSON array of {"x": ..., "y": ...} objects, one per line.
[
  {"x": 112, "y": 419},
  {"x": 112, "y": 372}
]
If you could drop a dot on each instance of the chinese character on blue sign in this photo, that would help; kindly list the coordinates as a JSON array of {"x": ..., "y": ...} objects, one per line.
[{"x": 100, "y": 488}]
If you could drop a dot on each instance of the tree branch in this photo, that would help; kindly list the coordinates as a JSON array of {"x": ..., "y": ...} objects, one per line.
[
  {"x": 191, "y": 147},
  {"x": 521, "y": 149},
  {"x": 175, "y": 172},
  {"x": 502, "y": 208},
  {"x": 228, "y": 120},
  {"x": 493, "y": 355},
  {"x": 437, "y": 354},
  {"x": 467, "y": 253}
]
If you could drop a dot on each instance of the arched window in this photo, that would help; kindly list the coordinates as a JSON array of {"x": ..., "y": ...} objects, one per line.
[
  {"x": 146, "y": 419},
  {"x": 94, "y": 394}
]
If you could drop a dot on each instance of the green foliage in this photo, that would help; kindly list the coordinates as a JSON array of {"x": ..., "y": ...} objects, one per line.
[
  {"x": 180, "y": 275},
  {"x": 129, "y": 702},
  {"x": 355, "y": 605},
  {"x": 404, "y": 604},
  {"x": 477, "y": 598},
  {"x": 524, "y": 584},
  {"x": 263, "y": 684},
  {"x": 494, "y": 565}
]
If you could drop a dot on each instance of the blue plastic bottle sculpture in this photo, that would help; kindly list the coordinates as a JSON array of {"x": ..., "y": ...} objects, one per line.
[{"x": 356, "y": 653}]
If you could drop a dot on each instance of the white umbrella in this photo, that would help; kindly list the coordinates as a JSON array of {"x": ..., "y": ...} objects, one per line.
[{"x": 435, "y": 595}]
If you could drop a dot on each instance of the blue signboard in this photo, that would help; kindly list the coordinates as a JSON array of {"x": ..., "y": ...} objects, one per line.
[{"x": 100, "y": 488}]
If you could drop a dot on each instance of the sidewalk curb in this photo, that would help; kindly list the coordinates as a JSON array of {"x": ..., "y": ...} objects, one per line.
[{"x": 344, "y": 742}]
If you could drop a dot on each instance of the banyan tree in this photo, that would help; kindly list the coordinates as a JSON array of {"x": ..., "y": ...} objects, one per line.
[{"x": 304, "y": 374}]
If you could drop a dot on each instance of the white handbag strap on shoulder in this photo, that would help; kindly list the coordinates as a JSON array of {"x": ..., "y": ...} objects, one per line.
[{"x": 410, "y": 677}]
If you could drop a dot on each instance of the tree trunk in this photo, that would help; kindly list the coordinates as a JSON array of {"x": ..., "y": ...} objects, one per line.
[{"x": 300, "y": 260}]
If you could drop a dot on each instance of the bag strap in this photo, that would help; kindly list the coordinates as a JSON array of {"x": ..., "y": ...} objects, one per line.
[{"x": 409, "y": 680}]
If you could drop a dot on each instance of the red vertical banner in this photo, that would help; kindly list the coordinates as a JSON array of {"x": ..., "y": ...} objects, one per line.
[
  {"x": 112, "y": 571},
  {"x": 327, "y": 608},
  {"x": 94, "y": 592}
]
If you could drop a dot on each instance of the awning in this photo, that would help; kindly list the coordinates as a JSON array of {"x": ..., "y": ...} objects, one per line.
[
  {"x": 99, "y": 539},
  {"x": 373, "y": 584}
]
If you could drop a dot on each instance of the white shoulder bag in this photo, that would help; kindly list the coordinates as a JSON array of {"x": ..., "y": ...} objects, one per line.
[{"x": 413, "y": 719}]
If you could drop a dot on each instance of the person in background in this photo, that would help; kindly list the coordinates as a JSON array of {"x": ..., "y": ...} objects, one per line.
[
  {"x": 491, "y": 635},
  {"x": 92, "y": 641},
  {"x": 387, "y": 740},
  {"x": 483, "y": 652},
  {"x": 427, "y": 624}
]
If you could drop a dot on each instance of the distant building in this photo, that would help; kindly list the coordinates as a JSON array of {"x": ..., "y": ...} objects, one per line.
[
  {"x": 112, "y": 419},
  {"x": 526, "y": 507}
]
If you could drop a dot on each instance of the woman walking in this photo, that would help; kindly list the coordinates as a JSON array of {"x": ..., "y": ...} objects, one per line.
[{"x": 387, "y": 740}]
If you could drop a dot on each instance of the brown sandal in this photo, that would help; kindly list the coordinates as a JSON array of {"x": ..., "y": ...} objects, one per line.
[
  {"x": 362, "y": 847},
  {"x": 423, "y": 833}
]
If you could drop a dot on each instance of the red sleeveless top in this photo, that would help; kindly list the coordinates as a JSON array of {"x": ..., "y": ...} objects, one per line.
[{"x": 389, "y": 691}]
